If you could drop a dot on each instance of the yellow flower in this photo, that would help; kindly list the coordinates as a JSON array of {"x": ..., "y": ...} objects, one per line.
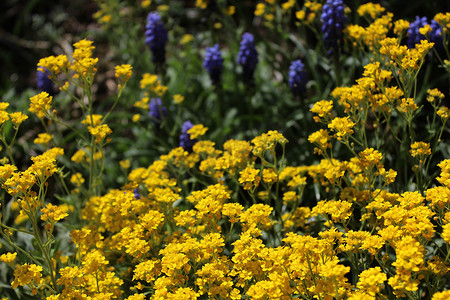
[
  {"x": 197, "y": 130},
  {"x": 43, "y": 138},
  {"x": 233, "y": 211},
  {"x": 125, "y": 164},
  {"x": 444, "y": 113},
  {"x": 300, "y": 14},
  {"x": 371, "y": 280},
  {"x": 342, "y": 127},
  {"x": 83, "y": 64},
  {"x": 79, "y": 156},
  {"x": 163, "y": 7},
  {"x": 92, "y": 120},
  {"x": 186, "y": 39},
  {"x": 148, "y": 80},
  {"x": 321, "y": 138},
  {"x": 8, "y": 257},
  {"x": 267, "y": 142},
  {"x": 203, "y": 4},
  {"x": 425, "y": 30},
  {"x": 371, "y": 9},
  {"x": 100, "y": 132},
  {"x": 434, "y": 94},
  {"x": 146, "y": 3},
  {"x": 407, "y": 106},
  {"x": 17, "y": 118},
  {"x": 54, "y": 64},
  {"x": 40, "y": 104},
  {"x": 52, "y": 213},
  {"x": 26, "y": 274},
  {"x": 444, "y": 295},
  {"x": 420, "y": 149},
  {"x": 230, "y": 10},
  {"x": 136, "y": 118},
  {"x": 290, "y": 196},
  {"x": 322, "y": 109},
  {"x": 123, "y": 72},
  {"x": 77, "y": 179},
  {"x": 260, "y": 8},
  {"x": 177, "y": 99},
  {"x": 287, "y": 5},
  {"x": 249, "y": 177},
  {"x": 400, "y": 26},
  {"x": 269, "y": 175}
]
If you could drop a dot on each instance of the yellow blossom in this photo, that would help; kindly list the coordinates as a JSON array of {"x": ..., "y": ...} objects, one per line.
[
  {"x": 26, "y": 274},
  {"x": 342, "y": 127},
  {"x": 249, "y": 177},
  {"x": 100, "y": 132},
  {"x": 77, "y": 179},
  {"x": 123, "y": 72},
  {"x": 40, "y": 104},
  {"x": 8, "y": 257},
  {"x": 177, "y": 99},
  {"x": 371, "y": 9},
  {"x": 186, "y": 38},
  {"x": 196, "y": 131},
  {"x": 52, "y": 213},
  {"x": 17, "y": 118},
  {"x": 43, "y": 138}
]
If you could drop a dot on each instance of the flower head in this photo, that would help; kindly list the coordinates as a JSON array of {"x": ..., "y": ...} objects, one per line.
[
  {"x": 185, "y": 138},
  {"x": 248, "y": 56},
  {"x": 333, "y": 22},
  {"x": 157, "y": 111},
  {"x": 156, "y": 37},
  {"x": 40, "y": 104},
  {"x": 297, "y": 77},
  {"x": 213, "y": 63}
]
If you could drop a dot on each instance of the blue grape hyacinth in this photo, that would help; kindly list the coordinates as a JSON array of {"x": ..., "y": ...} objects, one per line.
[
  {"x": 213, "y": 63},
  {"x": 333, "y": 22},
  {"x": 297, "y": 77},
  {"x": 248, "y": 56},
  {"x": 156, "y": 110},
  {"x": 44, "y": 83},
  {"x": 414, "y": 35},
  {"x": 185, "y": 138},
  {"x": 156, "y": 37}
]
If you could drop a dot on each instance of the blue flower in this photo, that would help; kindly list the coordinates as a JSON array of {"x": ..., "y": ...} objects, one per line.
[
  {"x": 297, "y": 77},
  {"x": 333, "y": 22},
  {"x": 136, "y": 194},
  {"x": 213, "y": 63},
  {"x": 185, "y": 138},
  {"x": 156, "y": 37},
  {"x": 156, "y": 110},
  {"x": 414, "y": 35},
  {"x": 248, "y": 56},
  {"x": 44, "y": 83}
]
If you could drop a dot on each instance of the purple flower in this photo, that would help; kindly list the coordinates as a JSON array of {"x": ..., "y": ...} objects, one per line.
[
  {"x": 44, "y": 83},
  {"x": 414, "y": 35},
  {"x": 185, "y": 138},
  {"x": 297, "y": 77},
  {"x": 136, "y": 194},
  {"x": 333, "y": 22},
  {"x": 248, "y": 56},
  {"x": 213, "y": 63},
  {"x": 156, "y": 37},
  {"x": 156, "y": 110}
]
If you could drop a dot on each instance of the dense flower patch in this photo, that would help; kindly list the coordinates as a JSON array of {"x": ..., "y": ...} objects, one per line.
[{"x": 210, "y": 216}]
